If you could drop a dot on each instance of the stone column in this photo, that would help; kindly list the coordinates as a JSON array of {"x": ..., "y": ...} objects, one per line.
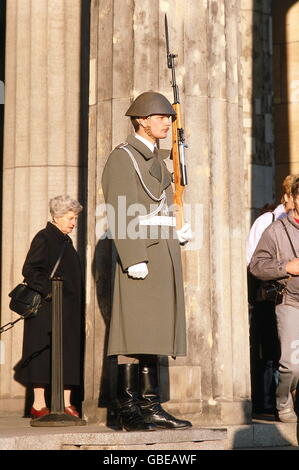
[
  {"x": 212, "y": 384},
  {"x": 216, "y": 370},
  {"x": 256, "y": 62},
  {"x": 286, "y": 88},
  {"x": 41, "y": 142}
]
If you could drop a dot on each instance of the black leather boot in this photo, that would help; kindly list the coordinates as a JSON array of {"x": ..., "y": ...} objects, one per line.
[
  {"x": 150, "y": 401},
  {"x": 130, "y": 416}
]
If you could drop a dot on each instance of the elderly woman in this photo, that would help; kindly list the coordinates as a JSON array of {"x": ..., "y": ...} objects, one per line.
[{"x": 46, "y": 247}]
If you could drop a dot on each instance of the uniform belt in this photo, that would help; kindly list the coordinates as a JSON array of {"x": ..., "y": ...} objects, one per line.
[{"x": 162, "y": 220}]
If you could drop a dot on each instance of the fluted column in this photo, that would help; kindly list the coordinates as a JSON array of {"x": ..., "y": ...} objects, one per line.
[
  {"x": 210, "y": 385},
  {"x": 229, "y": 316},
  {"x": 41, "y": 138},
  {"x": 286, "y": 88}
]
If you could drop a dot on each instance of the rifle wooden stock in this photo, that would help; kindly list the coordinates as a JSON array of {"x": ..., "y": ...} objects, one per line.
[{"x": 178, "y": 188}]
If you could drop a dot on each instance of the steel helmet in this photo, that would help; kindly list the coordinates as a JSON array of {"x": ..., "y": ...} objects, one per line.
[{"x": 149, "y": 103}]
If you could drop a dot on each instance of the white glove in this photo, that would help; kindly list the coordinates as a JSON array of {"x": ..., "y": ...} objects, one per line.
[
  {"x": 138, "y": 271},
  {"x": 184, "y": 234}
]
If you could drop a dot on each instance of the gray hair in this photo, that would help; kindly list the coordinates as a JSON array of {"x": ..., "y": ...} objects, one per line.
[{"x": 60, "y": 205}]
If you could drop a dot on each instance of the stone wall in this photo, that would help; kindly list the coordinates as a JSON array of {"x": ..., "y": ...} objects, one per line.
[
  {"x": 286, "y": 88},
  {"x": 256, "y": 27}
]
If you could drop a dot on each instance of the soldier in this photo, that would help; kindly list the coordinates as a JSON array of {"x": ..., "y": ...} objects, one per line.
[{"x": 148, "y": 313}]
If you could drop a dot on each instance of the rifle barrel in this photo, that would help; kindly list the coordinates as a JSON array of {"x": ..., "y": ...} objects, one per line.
[{"x": 178, "y": 138}]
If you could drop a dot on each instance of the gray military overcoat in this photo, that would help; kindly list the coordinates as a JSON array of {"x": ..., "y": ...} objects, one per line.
[{"x": 148, "y": 315}]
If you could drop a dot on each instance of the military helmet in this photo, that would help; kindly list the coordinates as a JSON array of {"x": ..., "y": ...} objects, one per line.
[{"x": 149, "y": 103}]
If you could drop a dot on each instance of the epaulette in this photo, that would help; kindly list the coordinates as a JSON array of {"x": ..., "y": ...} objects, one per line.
[{"x": 122, "y": 145}]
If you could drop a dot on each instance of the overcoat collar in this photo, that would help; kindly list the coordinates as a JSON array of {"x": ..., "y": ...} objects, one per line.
[
  {"x": 145, "y": 151},
  {"x": 140, "y": 147},
  {"x": 156, "y": 169}
]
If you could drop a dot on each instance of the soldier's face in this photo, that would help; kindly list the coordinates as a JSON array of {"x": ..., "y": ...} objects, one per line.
[
  {"x": 155, "y": 126},
  {"x": 159, "y": 125}
]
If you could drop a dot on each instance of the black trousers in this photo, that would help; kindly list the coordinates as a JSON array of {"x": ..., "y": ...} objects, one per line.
[{"x": 264, "y": 356}]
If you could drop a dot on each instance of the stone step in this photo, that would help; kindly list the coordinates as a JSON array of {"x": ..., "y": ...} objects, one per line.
[
  {"x": 188, "y": 439},
  {"x": 17, "y": 434},
  {"x": 195, "y": 446},
  {"x": 262, "y": 434}
]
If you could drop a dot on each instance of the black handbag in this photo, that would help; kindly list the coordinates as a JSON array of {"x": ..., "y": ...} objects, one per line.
[
  {"x": 26, "y": 301},
  {"x": 272, "y": 291}
]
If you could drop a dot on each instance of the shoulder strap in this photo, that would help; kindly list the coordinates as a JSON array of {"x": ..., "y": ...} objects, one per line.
[
  {"x": 273, "y": 217},
  {"x": 58, "y": 260},
  {"x": 291, "y": 243},
  {"x": 162, "y": 198}
]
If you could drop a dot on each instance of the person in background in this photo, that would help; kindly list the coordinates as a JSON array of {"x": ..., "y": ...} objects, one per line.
[
  {"x": 265, "y": 219},
  {"x": 34, "y": 369},
  {"x": 264, "y": 343},
  {"x": 276, "y": 258}
]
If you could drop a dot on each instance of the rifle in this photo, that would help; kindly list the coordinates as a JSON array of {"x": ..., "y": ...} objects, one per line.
[{"x": 178, "y": 140}]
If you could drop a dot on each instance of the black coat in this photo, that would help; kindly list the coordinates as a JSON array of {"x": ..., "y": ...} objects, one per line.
[{"x": 34, "y": 368}]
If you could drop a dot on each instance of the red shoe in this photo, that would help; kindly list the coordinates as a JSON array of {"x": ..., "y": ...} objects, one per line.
[
  {"x": 71, "y": 410},
  {"x": 39, "y": 413}
]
